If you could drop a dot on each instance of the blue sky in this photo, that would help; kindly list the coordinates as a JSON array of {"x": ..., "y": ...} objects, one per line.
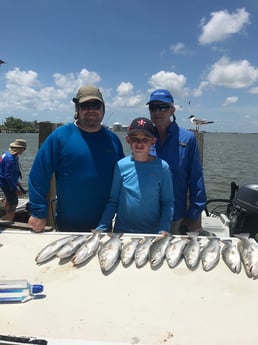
[{"x": 204, "y": 52}]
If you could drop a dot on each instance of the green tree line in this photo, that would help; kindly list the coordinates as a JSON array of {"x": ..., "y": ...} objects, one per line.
[{"x": 18, "y": 125}]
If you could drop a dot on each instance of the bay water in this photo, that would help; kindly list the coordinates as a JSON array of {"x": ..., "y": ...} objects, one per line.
[{"x": 227, "y": 157}]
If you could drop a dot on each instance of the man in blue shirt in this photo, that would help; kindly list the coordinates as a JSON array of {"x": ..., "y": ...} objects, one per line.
[
  {"x": 9, "y": 176},
  {"x": 82, "y": 155},
  {"x": 179, "y": 148}
]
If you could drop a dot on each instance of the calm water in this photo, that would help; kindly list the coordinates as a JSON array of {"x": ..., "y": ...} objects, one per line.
[{"x": 227, "y": 157}]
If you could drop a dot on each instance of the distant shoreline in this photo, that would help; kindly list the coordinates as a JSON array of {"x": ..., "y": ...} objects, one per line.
[{"x": 8, "y": 131}]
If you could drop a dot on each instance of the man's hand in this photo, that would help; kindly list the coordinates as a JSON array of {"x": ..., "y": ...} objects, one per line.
[
  {"x": 164, "y": 233},
  {"x": 38, "y": 224}
]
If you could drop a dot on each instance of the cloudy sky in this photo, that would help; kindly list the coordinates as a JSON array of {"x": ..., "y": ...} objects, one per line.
[{"x": 204, "y": 52}]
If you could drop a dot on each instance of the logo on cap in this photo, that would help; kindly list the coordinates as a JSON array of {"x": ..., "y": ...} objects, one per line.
[{"x": 141, "y": 122}]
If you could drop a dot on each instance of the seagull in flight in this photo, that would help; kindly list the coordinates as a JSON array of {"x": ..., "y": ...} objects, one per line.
[{"x": 198, "y": 122}]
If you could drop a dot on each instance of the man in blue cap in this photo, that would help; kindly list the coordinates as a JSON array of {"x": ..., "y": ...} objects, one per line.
[{"x": 179, "y": 148}]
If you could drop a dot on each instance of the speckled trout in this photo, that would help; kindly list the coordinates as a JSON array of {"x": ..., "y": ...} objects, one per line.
[
  {"x": 71, "y": 246},
  {"x": 191, "y": 251},
  {"x": 174, "y": 252},
  {"x": 109, "y": 252},
  {"x": 210, "y": 255},
  {"x": 231, "y": 256},
  {"x": 87, "y": 249},
  {"x": 128, "y": 251},
  {"x": 158, "y": 250},
  {"x": 51, "y": 249},
  {"x": 142, "y": 251},
  {"x": 248, "y": 249}
]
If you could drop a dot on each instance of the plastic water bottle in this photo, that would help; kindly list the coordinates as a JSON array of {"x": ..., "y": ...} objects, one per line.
[{"x": 18, "y": 290}]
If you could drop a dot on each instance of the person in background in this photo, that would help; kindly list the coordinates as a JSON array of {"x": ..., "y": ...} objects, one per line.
[
  {"x": 142, "y": 191},
  {"x": 179, "y": 148},
  {"x": 82, "y": 155},
  {"x": 9, "y": 176}
]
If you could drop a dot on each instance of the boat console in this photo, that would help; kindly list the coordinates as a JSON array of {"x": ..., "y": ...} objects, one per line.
[{"x": 243, "y": 214}]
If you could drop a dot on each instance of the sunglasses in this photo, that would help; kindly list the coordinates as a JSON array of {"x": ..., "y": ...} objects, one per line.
[
  {"x": 95, "y": 105},
  {"x": 160, "y": 107},
  {"x": 137, "y": 140}
]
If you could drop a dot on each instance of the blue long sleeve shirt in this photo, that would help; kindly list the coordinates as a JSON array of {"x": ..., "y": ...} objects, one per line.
[
  {"x": 83, "y": 165},
  {"x": 180, "y": 150},
  {"x": 141, "y": 197},
  {"x": 9, "y": 171}
]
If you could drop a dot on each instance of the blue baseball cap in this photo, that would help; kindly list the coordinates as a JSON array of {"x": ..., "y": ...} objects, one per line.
[{"x": 161, "y": 95}]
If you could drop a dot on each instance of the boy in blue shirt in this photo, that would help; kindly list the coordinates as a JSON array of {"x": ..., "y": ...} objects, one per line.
[{"x": 142, "y": 191}]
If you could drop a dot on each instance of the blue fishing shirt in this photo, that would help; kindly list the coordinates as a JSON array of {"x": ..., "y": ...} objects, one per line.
[
  {"x": 83, "y": 165},
  {"x": 9, "y": 171},
  {"x": 141, "y": 197},
  {"x": 180, "y": 150}
]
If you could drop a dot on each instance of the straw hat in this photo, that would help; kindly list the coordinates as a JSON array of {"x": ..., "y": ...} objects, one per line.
[{"x": 17, "y": 145}]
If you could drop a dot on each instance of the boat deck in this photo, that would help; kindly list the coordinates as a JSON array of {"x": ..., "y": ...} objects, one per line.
[{"x": 81, "y": 305}]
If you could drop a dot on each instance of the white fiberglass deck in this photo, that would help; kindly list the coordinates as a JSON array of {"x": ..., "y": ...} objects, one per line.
[{"x": 129, "y": 306}]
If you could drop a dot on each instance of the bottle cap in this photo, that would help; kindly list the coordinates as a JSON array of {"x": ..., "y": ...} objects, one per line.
[{"x": 37, "y": 288}]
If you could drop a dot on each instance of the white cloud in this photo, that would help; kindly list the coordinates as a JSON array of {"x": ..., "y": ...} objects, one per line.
[
  {"x": 180, "y": 49},
  {"x": 21, "y": 90},
  {"x": 222, "y": 25},
  {"x": 72, "y": 81},
  {"x": 171, "y": 81},
  {"x": 125, "y": 89},
  {"x": 125, "y": 96},
  {"x": 199, "y": 91},
  {"x": 177, "y": 48},
  {"x": 230, "y": 100},
  {"x": 17, "y": 77},
  {"x": 24, "y": 92},
  {"x": 232, "y": 74},
  {"x": 254, "y": 90}
]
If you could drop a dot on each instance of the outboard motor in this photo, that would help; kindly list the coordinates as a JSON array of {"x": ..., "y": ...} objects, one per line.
[{"x": 243, "y": 212}]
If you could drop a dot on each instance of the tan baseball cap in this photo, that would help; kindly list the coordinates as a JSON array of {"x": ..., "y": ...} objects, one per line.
[{"x": 86, "y": 93}]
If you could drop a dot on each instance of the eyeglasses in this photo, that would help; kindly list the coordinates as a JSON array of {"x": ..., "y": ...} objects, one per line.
[
  {"x": 160, "y": 107},
  {"x": 137, "y": 140},
  {"x": 95, "y": 105}
]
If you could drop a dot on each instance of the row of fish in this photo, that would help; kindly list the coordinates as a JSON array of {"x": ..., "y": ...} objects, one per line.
[{"x": 81, "y": 248}]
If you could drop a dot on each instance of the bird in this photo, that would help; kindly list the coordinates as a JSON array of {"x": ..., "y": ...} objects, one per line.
[{"x": 198, "y": 122}]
